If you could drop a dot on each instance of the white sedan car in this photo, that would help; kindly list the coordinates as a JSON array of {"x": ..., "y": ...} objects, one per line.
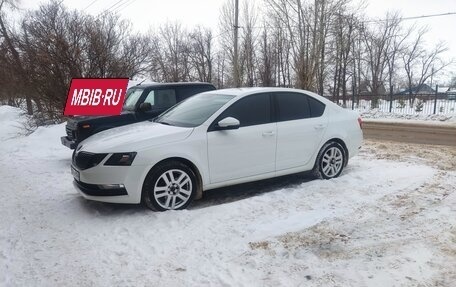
[{"x": 216, "y": 139}]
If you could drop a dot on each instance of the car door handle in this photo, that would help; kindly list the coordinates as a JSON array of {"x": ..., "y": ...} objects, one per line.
[
  {"x": 319, "y": 127},
  {"x": 268, "y": 134}
]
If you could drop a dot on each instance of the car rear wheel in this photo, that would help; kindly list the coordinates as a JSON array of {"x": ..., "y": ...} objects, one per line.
[
  {"x": 169, "y": 186},
  {"x": 330, "y": 161}
]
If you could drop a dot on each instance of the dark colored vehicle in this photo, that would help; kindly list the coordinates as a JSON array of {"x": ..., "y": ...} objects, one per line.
[{"x": 143, "y": 102}]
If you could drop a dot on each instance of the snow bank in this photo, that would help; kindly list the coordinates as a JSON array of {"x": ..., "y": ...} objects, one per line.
[
  {"x": 11, "y": 122},
  {"x": 378, "y": 114},
  {"x": 428, "y": 123}
]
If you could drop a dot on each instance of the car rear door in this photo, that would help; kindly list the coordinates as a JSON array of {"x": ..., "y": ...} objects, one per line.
[
  {"x": 248, "y": 150},
  {"x": 300, "y": 128}
]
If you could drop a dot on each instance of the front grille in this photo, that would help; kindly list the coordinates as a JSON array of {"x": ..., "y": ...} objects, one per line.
[
  {"x": 69, "y": 132},
  {"x": 84, "y": 160}
]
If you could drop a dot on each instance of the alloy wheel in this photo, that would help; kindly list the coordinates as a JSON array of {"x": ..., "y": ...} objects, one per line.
[
  {"x": 332, "y": 162},
  {"x": 173, "y": 189}
]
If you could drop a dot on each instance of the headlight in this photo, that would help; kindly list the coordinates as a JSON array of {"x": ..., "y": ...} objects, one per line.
[
  {"x": 125, "y": 158},
  {"x": 84, "y": 160}
]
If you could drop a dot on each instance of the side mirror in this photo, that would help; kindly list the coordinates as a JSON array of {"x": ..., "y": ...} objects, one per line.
[
  {"x": 228, "y": 123},
  {"x": 145, "y": 107}
]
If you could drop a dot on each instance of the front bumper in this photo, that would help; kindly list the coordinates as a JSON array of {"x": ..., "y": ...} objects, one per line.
[
  {"x": 66, "y": 141},
  {"x": 95, "y": 190},
  {"x": 131, "y": 178}
]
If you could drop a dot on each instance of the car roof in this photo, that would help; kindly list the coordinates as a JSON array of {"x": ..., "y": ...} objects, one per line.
[
  {"x": 172, "y": 84},
  {"x": 241, "y": 92}
]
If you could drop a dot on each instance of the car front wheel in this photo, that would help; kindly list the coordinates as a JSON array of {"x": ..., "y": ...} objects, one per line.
[
  {"x": 172, "y": 185},
  {"x": 330, "y": 161}
]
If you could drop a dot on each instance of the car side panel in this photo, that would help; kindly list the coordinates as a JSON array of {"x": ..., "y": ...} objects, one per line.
[
  {"x": 344, "y": 125},
  {"x": 297, "y": 141},
  {"x": 193, "y": 149},
  {"x": 242, "y": 152}
]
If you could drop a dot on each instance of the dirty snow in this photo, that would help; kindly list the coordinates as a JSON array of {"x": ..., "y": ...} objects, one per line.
[{"x": 390, "y": 219}]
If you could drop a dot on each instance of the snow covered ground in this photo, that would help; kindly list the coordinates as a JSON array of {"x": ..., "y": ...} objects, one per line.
[{"x": 389, "y": 220}]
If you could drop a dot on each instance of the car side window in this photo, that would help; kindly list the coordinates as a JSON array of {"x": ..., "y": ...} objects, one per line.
[
  {"x": 150, "y": 97},
  {"x": 292, "y": 106},
  {"x": 317, "y": 108},
  {"x": 251, "y": 110},
  {"x": 295, "y": 106},
  {"x": 161, "y": 98}
]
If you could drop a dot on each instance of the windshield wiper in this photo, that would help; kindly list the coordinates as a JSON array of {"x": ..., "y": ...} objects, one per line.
[{"x": 163, "y": 122}]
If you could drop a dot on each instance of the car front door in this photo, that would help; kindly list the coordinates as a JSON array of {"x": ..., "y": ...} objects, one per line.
[
  {"x": 300, "y": 128},
  {"x": 248, "y": 150}
]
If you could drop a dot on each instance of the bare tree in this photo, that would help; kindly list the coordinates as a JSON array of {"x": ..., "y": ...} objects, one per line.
[
  {"x": 453, "y": 82},
  {"x": 220, "y": 69},
  {"x": 344, "y": 27},
  {"x": 421, "y": 64},
  {"x": 307, "y": 27},
  {"x": 174, "y": 50},
  {"x": 201, "y": 53},
  {"x": 395, "y": 48},
  {"x": 410, "y": 57},
  {"x": 226, "y": 40},
  {"x": 281, "y": 54},
  {"x": 54, "y": 45},
  {"x": 110, "y": 48},
  {"x": 265, "y": 66},
  {"x": 376, "y": 41},
  {"x": 249, "y": 37},
  {"x": 8, "y": 40}
]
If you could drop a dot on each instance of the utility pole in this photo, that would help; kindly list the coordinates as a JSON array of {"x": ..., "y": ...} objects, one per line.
[{"x": 236, "y": 53}]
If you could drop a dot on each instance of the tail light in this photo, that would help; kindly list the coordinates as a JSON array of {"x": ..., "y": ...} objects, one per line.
[{"x": 360, "y": 122}]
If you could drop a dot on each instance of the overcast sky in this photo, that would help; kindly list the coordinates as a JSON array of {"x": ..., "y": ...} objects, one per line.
[{"x": 149, "y": 13}]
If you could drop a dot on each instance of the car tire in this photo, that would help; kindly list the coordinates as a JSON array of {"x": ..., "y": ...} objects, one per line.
[
  {"x": 330, "y": 162},
  {"x": 171, "y": 185}
]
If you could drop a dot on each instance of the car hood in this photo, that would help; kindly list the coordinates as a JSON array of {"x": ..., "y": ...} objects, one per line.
[
  {"x": 87, "y": 118},
  {"x": 133, "y": 137}
]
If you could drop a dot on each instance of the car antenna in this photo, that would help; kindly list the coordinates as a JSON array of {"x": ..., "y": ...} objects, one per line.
[{"x": 140, "y": 82}]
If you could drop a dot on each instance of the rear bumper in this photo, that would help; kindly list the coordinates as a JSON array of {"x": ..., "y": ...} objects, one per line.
[
  {"x": 355, "y": 143},
  {"x": 66, "y": 141}
]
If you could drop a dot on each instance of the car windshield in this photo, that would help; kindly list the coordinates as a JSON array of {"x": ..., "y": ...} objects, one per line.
[
  {"x": 131, "y": 99},
  {"x": 194, "y": 111}
]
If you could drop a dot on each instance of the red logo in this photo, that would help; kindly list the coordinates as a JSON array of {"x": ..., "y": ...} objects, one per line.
[{"x": 87, "y": 97}]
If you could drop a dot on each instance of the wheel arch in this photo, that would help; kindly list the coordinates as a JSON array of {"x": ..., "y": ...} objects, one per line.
[
  {"x": 342, "y": 143},
  {"x": 191, "y": 165}
]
